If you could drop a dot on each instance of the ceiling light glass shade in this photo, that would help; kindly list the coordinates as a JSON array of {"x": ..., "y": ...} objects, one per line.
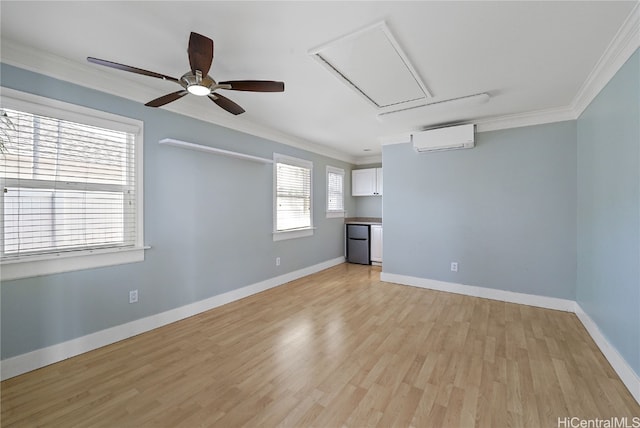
[{"x": 198, "y": 90}]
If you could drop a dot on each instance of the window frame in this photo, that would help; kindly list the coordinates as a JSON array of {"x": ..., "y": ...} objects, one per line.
[
  {"x": 279, "y": 235},
  {"x": 335, "y": 213},
  {"x": 66, "y": 261}
]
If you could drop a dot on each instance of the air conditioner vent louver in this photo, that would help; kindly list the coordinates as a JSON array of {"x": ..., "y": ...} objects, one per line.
[{"x": 449, "y": 138}]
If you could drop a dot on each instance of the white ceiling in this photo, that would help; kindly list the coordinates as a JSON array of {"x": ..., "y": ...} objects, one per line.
[{"x": 530, "y": 57}]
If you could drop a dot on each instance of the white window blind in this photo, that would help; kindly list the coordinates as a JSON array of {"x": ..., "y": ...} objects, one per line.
[
  {"x": 66, "y": 186},
  {"x": 335, "y": 190},
  {"x": 293, "y": 194}
]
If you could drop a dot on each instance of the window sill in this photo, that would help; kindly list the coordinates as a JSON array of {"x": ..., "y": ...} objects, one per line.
[
  {"x": 293, "y": 234},
  {"x": 68, "y": 262}
]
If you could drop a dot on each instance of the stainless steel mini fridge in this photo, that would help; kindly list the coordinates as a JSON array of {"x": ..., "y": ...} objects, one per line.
[{"x": 358, "y": 244}]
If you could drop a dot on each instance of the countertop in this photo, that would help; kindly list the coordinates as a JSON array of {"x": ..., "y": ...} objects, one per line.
[{"x": 363, "y": 220}]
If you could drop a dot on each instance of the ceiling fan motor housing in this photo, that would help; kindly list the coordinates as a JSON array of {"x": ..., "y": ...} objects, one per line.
[{"x": 198, "y": 85}]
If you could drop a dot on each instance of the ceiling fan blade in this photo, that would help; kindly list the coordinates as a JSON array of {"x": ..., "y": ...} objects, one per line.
[
  {"x": 255, "y": 85},
  {"x": 226, "y": 104},
  {"x": 200, "y": 53},
  {"x": 166, "y": 99},
  {"x": 131, "y": 69}
]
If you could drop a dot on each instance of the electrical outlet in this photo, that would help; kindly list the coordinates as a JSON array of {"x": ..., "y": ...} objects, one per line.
[
  {"x": 277, "y": 261},
  {"x": 454, "y": 266},
  {"x": 133, "y": 296}
]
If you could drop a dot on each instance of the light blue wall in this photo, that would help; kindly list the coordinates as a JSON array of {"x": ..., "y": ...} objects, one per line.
[
  {"x": 368, "y": 206},
  {"x": 504, "y": 210},
  {"x": 208, "y": 219},
  {"x": 608, "y": 278}
]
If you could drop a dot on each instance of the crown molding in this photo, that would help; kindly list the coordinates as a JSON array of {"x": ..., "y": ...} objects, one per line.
[
  {"x": 518, "y": 120},
  {"x": 389, "y": 140},
  {"x": 624, "y": 44},
  {"x": 366, "y": 160},
  {"x": 72, "y": 71}
]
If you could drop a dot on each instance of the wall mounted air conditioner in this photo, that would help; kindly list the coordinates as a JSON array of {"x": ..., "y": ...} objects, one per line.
[{"x": 449, "y": 138}]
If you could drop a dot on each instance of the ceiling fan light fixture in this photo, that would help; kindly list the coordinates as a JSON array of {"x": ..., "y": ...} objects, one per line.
[
  {"x": 198, "y": 90},
  {"x": 196, "y": 81}
]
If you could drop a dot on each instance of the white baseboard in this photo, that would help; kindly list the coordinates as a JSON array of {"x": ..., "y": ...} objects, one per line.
[
  {"x": 626, "y": 373},
  {"x": 487, "y": 293},
  {"x": 23, "y": 363},
  {"x": 20, "y": 364},
  {"x": 619, "y": 364}
]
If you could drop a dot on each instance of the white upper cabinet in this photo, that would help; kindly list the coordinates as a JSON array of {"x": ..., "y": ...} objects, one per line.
[
  {"x": 378, "y": 181},
  {"x": 366, "y": 182}
]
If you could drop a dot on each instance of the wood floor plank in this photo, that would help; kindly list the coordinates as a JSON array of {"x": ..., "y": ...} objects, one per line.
[{"x": 337, "y": 348}]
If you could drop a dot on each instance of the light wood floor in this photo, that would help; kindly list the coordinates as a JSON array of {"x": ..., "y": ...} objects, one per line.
[{"x": 338, "y": 348}]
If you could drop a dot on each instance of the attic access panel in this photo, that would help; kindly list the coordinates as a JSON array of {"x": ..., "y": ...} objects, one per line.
[{"x": 371, "y": 62}]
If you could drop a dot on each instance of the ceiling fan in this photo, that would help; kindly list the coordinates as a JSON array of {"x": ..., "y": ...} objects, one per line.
[{"x": 197, "y": 80}]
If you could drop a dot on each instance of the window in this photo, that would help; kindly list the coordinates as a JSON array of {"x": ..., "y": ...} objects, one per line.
[
  {"x": 70, "y": 187},
  {"x": 335, "y": 192},
  {"x": 293, "y": 203}
]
